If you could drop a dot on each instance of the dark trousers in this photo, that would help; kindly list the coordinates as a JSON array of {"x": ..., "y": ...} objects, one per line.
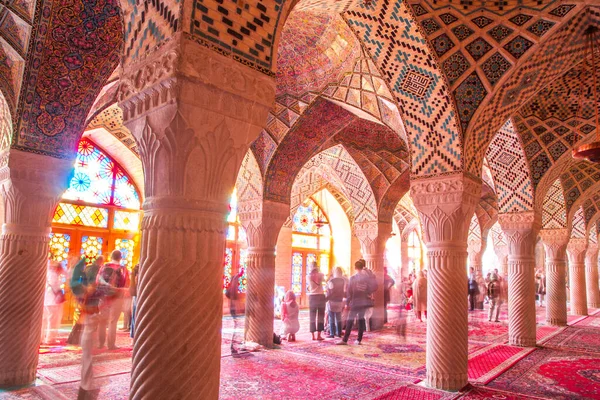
[
  {"x": 472, "y": 295},
  {"x": 355, "y": 312},
  {"x": 316, "y": 305}
]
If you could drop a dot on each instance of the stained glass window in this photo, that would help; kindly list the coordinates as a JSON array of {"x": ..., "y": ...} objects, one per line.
[
  {"x": 231, "y": 232},
  {"x": 297, "y": 273},
  {"x": 127, "y": 220},
  {"x": 304, "y": 241},
  {"x": 91, "y": 246},
  {"x": 126, "y": 247},
  {"x": 227, "y": 268},
  {"x": 81, "y": 215},
  {"x": 59, "y": 247},
  {"x": 98, "y": 179},
  {"x": 232, "y": 217}
]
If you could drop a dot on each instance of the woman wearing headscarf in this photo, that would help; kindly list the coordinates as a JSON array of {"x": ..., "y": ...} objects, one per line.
[
  {"x": 316, "y": 301},
  {"x": 420, "y": 295},
  {"x": 289, "y": 316}
]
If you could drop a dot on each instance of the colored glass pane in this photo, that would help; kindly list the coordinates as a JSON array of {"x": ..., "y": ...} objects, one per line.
[
  {"x": 243, "y": 262},
  {"x": 227, "y": 267},
  {"x": 233, "y": 204},
  {"x": 297, "y": 273},
  {"x": 310, "y": 258},
  {"x": 127, "y": 220},
  {"x": 59, "y": 248},
  {"x": 242, "y": 234},
  {"x": 231, "y": 232},
  {"x": 126, "y": 247},
  {"x": 91, "y": 247},
  {"x": 72, "y": 214},
  {"x": 304, "y": 241},
  {"x": 98, "y": 179}
]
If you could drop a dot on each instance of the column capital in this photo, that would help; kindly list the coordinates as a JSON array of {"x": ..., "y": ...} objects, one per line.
[
  {"x": 555, "y": 243},
  {"x": 168, "y": 75},
  {"x": 520, "y": 230},
  {"x": 445, "y": 205},
  {"x": 263, "y": 220},
  {"x": 372, "y": 236},
  {"x": 591, "y": 255},
  {"x": 576, "y": 250}
]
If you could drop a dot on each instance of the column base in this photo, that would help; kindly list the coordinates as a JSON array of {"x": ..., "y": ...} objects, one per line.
[
  {"x": 446, "y": 381},
  {"x": 556, "y": 322},
  {"x": 593, "y": 305},
  {"x": 522, "y": 341},
  {"x": 17, "y": 378}
]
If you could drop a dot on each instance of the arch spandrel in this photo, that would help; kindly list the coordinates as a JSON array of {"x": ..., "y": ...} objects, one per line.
[
  {"x": 249, "y": 181},
  {"x": 578, "y": 226},
  {"x": 547, "y": 61},
  {"x": 554, "y": 212}
]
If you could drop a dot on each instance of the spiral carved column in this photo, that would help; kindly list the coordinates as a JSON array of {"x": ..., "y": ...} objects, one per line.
[
  {"x": 520, "y": 230},
  {"x": 555, "y": 245},
  {"x": 445, "y": 206},
  {"x": 372, "y": 237},
  {"x": 31, "y": 185},
  {"x": 193, "y": 114},
  {"x": 263, "y": 221},
  {"x": 591, "y": 276},
  {"x": 576, "y": 251}
]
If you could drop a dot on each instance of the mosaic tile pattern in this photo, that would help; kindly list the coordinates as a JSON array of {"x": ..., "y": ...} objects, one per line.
[
  {"x": 500, "y": 32},
  {"x": 315, "y": 49},
  {"x": 523, "y": 82},
  {"x": 518, "y": 46},
  {"x": 111, "y": 119},
  {"x": 554, "y": 213},
  {"x": 416, "y": 82},
  {"x": 5, "y": 124},
  {"x": 11, "y": 63},
  {"x": 495, "y": 67},
  {"x": 498, "y": 237},
  {"x": 442, "y": 44},
  {"x": 541, "y": 27},
  {"x": 263, "y": 148},
  {"x": 469, "y": 95},
  {"x": 478, "y": 48},
  {"x": 456, "y": 65},
  {"x": 474, "y": 229},
  {"x": 510, "y": 171},
  {"x": 590, "y": 209},
  {"x": 578, "y": 230},
  {"x": 578, "y": 179}
]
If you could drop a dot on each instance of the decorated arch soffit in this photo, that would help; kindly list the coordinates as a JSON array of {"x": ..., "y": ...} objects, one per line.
[
  {"x": 68, "y": 63},
  {"x": 5, "y": 124},
  {"x": 510, "y": 171},
  {"x": 111, "y": 120},
  {"x": 548, "y": 43},
  {"x": 579, "y": 229},
  {"x": 249, "y": 184},
  {"x": 498, "y": 238},
  {"x": 554, "y": 212}
]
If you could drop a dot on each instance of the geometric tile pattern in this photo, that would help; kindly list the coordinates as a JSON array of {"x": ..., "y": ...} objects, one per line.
[
  {"x": 578, "y": 179},
  {"x": 469, "y": 95},
  {"x": 15, "y": 33},
  {"x": 285, "y": 113},
  {"x": 578, "y": 230},
  {"x": 249, "y": 182},
  {"x": 478, "y": 48},
  {"x": 510, "y": 171},
  {"x": 474, "y": 229},
  {"x": 111, "y": 119},
  {"x": 522, "y": 83},
  {"x": 498, "y": 235},
  {"x": 554, "y": 213},
  {"x": 5, "y": 124},
  {"x": 387, "y": 30},
  {"x": 315, "y": 49},
  {"x": 494, "y": 67},
  {"x": 263, "y": 148}
]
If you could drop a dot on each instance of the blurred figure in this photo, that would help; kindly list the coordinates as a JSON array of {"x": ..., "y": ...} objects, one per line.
[
  {"x": 360, "y": 287},
  {"x": 289, "y": 316},
  {"x": 335, "y": 298},
  {"x": 89, "y": 300},
  {"x": 494, "y": 291},
  {"x": 111, "y": 280},
  {"x": 316, "y": 301},
  {"x": 540, "y": 277},
  {"x": 53, "y": 301},
  {"x": 371, "y": 305},
  {"x": 126, "y": 306},
  {"x": 77, "y": 276},
  {"x": 133, "y": 294},
  {"x": 473, "y": 288},
  {"x": 420, "y": 295},
  {"x": 388, "y": 283},
  {"x": 235, "y": 308}
]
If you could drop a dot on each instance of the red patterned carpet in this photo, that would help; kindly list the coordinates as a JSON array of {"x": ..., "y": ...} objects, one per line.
[{"x": 385, "y": 366}]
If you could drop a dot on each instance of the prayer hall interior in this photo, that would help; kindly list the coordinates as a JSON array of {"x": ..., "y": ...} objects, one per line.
[{"x": 230, "y": 146}]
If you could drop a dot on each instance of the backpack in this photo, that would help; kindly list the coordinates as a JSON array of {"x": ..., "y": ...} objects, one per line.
[{"x": 492, "y": 290}]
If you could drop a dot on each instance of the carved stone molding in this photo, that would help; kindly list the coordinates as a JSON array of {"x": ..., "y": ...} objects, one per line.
[
  {"x": 262, "y": 225},
  {"x": 591, "y": 276},
  {"x": 445, "y": 206},
  {"x": 576, "y": 250},
  {"x": 520, "y": 231},
  {"x": 555, "y": 243},
  {"x": 372, "y": 236}
]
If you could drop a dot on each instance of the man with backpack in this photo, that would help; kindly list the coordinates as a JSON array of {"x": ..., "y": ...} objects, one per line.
[
  {"x": 360, "y": 288},
  {"x": 494, "y": 290},
  {"x": 112, "y": 282}
]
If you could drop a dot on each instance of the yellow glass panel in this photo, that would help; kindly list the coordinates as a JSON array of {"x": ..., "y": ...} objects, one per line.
[
  {"x": 127, "y": 220},
  {"x": 72, "y": 214},
  {"x": 126, "y": 247},
  {"x": 304, "y": 241}
]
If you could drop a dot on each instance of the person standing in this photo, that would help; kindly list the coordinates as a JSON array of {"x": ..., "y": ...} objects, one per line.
[
  {"x": 53, "y": 301},
  {"x": 541, "y": 286},
  {"x": 360, "y": 288},
  {"x": 235, "y": 308},
  {"x": 133, "y": 293},
  {"x": 494, "y": 291},
  {"x": 112, "y": 280},
  {"x": 473, "y": 289},
  {"x": 420, "y": 295},
  {"x": 316, "y": 302},
  {"x": 289, "y": 316},
  {"x": 335, "y": 298},
  {"x": 388, "y": 283}
]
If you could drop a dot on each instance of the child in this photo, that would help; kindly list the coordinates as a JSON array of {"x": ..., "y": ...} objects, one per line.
[{"x": 289, "y": 316}]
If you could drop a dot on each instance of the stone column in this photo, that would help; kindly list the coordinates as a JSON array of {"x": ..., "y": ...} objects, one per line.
[
  {"x": 262, "y": 228},
  {"x": 591, "y": 276},
  {"x": 193, "y": 113},
  {"x": 446, "y": 205},
  {"x": 502, "y": 254},
  {"x": 373, "y": 236},
  {"x": 31, "y": 185},
  {"x": 576, "y": 251},
  {"x": 520, "y": 230},
  {"x": 404, "y": 255},
  {"x": 475, "y": 249},
  {"x": 555, "y": 245}
]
